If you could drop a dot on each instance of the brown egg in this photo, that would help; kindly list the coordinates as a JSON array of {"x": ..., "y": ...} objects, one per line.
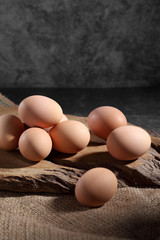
[
  {"x": 64, "y": 118},
  {"x": 96, "y": 187},
  {"x": 69, "y": 136},
  {"x": 104, "y": 120},
  {"x": 35, "y": 144},
  {"x": 11, "y": 128},
  {"x": 128, "y": 142},
  {"x": 40, "y": 111}
]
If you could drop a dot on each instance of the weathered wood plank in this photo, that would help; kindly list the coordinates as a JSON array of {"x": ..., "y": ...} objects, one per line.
[{"x": 60, "y": 172}]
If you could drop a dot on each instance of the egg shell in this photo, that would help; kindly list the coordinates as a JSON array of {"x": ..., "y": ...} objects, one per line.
[
  {"x": 35, "y": 144},
  {"x": 70, "y": 136},
  {"x": 64, "y": 118},
  {"x": 39, "y": 111},
  {"x": 96, "y": 187},
  {"x": 128, "y": 142},
  {"x": 11, "y": 128},
  {"x": 103, "y": 120}
]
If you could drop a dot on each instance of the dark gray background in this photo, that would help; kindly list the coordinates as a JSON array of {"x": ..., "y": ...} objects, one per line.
[
  {"x": 84, "y": 54},
  {"x": 80, "y": 43}
]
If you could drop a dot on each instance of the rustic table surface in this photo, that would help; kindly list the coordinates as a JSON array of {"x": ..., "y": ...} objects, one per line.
[{"x": 133, "y": 213}]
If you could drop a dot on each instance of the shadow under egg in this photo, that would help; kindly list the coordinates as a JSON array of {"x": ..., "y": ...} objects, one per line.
[{"x": 14, "y": 159}]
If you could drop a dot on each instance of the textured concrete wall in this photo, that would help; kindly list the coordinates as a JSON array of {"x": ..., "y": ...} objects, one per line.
[{"x": 79, "y": 43}]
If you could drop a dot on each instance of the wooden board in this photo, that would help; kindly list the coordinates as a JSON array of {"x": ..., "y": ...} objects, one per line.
[{"x": 60, "y": 172}]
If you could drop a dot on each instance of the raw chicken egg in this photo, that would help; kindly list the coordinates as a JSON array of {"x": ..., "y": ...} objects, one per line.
[
  {"x": 96, "y": 187},
  {"x": 64, "y": 118},
  {"x": 70, "y": 136},
  {"x": 35, "y": 144},
  {"x": 11, "y": 128},
  {"x": 128, "y": 142},
  {"x": 40, "y": 111},
  {"x": 105, "y": 119}
]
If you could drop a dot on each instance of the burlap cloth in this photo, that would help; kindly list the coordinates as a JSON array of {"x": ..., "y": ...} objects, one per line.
[{"x": 133, "y": 213}]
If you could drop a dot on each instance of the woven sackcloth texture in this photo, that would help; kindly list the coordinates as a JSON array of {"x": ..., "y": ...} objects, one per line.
[
  {"x": 7, "y": 106},
  {"x": 133, "y": 213}
]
